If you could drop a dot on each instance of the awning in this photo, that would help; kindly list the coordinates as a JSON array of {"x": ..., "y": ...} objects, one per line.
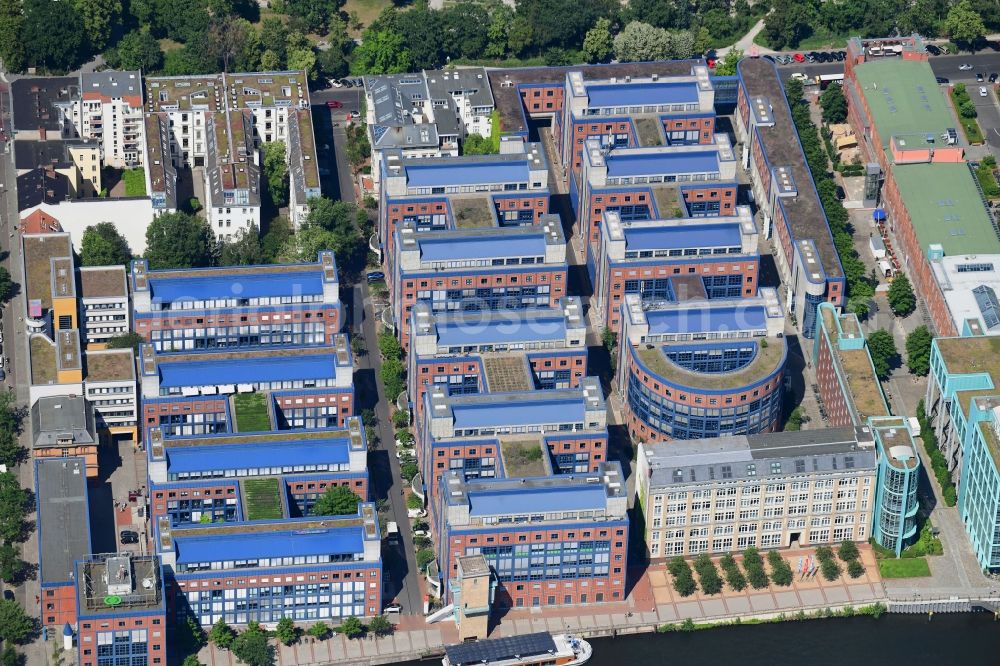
[{"x": 878, "y": 215}]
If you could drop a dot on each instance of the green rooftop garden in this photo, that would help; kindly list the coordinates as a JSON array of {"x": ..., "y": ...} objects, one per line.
[
  {"x": 135, "y": 182},
  {"x": 262, "y": 498},
  {"x": 251, "y": 412}
]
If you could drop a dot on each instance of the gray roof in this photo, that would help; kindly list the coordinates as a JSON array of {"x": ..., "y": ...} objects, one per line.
[
  {"x": 679, "y": 462},
  {"x": 40, "y": 186},
  {"x": 470, "y": 82},
  {"x": 63, "y": 517},
  {"x": 111, "y": 83},
  {"x": 54, "y": 418},
  {"x": 33, "y": 100},
  {"x": 33, "y": 154}
]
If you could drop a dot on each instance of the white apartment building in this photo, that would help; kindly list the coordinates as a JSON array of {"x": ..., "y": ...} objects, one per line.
[
  {"x": 110, "y": 386},
  {"x": 104, "y": 304},
  {"x": 767, "y": 491}
]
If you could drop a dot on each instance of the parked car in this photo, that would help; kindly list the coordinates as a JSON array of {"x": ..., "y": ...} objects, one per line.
[
  {"x": 359, "y": 82},
  {"x": 841, "y": 56},
  {"x": 942, "y": 80},
  {"x": 768, "y": 57},
  {"x": 334, "y": 104},
  {"x": 374, "y": 276},
  {"x": 933, "y": 50},
  {"x": 129, "y": 536},
  {"x": 979, "y": 77},
  {"x": 841, "y": 195},
  {"x": 801, "y": 58},
  {"x": 336, "y": 84},
  {"x": 393, "y": 608},
  {"x": 993, "y": 77},
  {"x": 965, "y": 67},
  {"x": 982, "y": 91},
  {"x": 823, "y": 57},
  {"x": 799, "y": 76}
]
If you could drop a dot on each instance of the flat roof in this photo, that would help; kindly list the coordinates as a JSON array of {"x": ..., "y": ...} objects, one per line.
[
  {"x": 39, "y": 251},
  {"x": 202, "y": 458},
  {"x": 500, "y": 331},
  {"x": 290, "y": 542},
  {"x": 523, "y": 457},
  {"x": 101, "y": 577},
  {"x": 678, "y": 237},
  {"x": 467, "y": 173},
  {"x": 904, "y": 97},
  {"x": 766, "y": 361},
  {"x": 33, "y": 99},
  {"x": 63, "y": 517},
  {"x": 489, "y": 502},
  {"x": 624, "y": 164},
  {"x": 247, "y": 284},
  {"x": 973, "y": 355},
  {"x": 446, "y": 248},
  {"x": 805, "y": 213},
  {"x": 43, "y": 359},
  {"x": 103, "y": 282},
  {"x": 248, "y": 369},
  {"x": 526, "y": 411},
  {"x": 707, "y": 319},
  {"x": 642, "y": 93},
  {"x": 110, "y": 365},
  {"x": 945, "y": 207},
  {"x": 60, "y": 417}
]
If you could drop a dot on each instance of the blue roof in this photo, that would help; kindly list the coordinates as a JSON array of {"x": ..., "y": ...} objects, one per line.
[
  {"x": 251, "y": 546},
  {"x": 334, "y": 451},
  {"x": 707, "y": 319},
  {"x": 482, "y": 247},
  {"x": 466, "y": 173},
  {"x": 531, "y": 500},
  {"x": 631, "y": 94},
  {"x": 673, "y": 237},
  {"x": 247, "y": 370},
  {"x": 625, "y": 163},
  {"x": 242, "y": 286},
  {"x": 479, "y": 332},
  {"x": 528, "y": 412}
]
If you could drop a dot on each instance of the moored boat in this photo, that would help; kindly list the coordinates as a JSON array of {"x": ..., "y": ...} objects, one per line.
[{"x": 540, "y": 649}]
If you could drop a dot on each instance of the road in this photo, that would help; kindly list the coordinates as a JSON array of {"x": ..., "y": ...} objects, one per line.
[{"x": 349, "y": 97}]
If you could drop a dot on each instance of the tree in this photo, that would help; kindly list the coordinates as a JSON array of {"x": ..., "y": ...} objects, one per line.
[
  {"x": 13, "y": 501},
  {"x": 408, "y": 470},
  {"x": 380, "y": 626},
  {"x": 654, "y": 12},
  {"x": 708, "y": 575},
  {"x": 7, "y": 286},
  {"x": 847, "y": 551},
  {"x": 562, "y": 23},
  {"x": 221, "y": 635},
  {"x": 882, "y": 348},
  {"x": 963, "y": 23},
  {"x": 424, "y": 557},
  {"x": 12, "y": 48},
  {"x": 191, "y": 660},
  {"x": 11, "y": 420},
  {"x": 315, "y": 14},
  {"x": 830, "y": 569},
  {"x": 336, "y": 501},
  {"x": 781, "y": 572},
  {"x": 137, "y": 50},
  {"x": 243, "y": 249},
  {"x": 789, "y": 22},
  {"x": 15, "y": 625},
  {"x": 501, "y": 21},
  {"x": 227, "y": 37},
  {"x": 279, "y": 230},
  {"x": 389, "y": 346},
  {"x": 251, "y": 647},
  {"x": 99, "y": 16},
  {"x": 319, "y": 630},
  {"x": 641, "y": 42},
  {"x": 382, "y": 52},
  {"x": 286, "y": 631},
  {"x": 10, "y": 657},
  {"x": 682, "y": 45},
  {"x": 392, "y": 377},
  {"x": 191, "y": 637},
  {"x": 754, "y": 566},
  {"x": 680, "y": 571},
  {"x": 56, "y": 35},
  {"x": 102, "y": 245},
  {"x": 351, "y": 627},
  {"x": 855, "y": 569},
  {"x": 598, "y": 45},
  {"x": 727, "y": 66},
  {"x": 834, "y": 104},
  {"x": 179, "y": 240},
  {"x": 475, "y": 144},
  {"x": 130, "y": 340},
  {"x": 303, "y": 58},
  {"x": 900, "y": 296},
  {"x": 12, "y": 567},
  {"x": 918, "y": 351}
]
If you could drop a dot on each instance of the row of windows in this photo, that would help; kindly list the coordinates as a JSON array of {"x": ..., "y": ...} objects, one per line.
[
  {"x": 270, "y": 604},
  {"x": 290, "y": 334},
  {"x": 265, "y": 386},
  {"x": 686, "y": 252},
  {"x": 157, "y": 305},
  {"x": 258, "y": 471},
  {"x": 266, "y": 562}
]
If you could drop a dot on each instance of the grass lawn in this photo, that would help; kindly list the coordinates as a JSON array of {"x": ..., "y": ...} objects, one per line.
[
  {"x": 367, "y": 10},
  {"x": 135, "y": 182},
  {"x": 820, "y": 40},
  {"x": 251, "y": 412},
  {"x": 916, "y": 567},
  {"x": 262, "y": 499}
]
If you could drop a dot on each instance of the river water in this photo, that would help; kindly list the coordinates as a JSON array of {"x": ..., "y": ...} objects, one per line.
[{"x": 909, "y": 640}]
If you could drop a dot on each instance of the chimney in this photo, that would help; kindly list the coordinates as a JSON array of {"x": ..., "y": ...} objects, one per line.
[{"x": 41, "y": 134}]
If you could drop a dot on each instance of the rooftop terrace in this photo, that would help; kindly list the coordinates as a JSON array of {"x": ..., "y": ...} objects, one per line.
[
  {"x": 766, "y": 361},
  {"x": 43, "y": 360},
  {"x": 472, "y": 212},
  {"x": 119, "y": 583},
  {"x": 649, "y": 130},
  {"x": 506, "y": 373},
  {"x": 523, "y": 457},
  {"x": 805, "y": 214}
]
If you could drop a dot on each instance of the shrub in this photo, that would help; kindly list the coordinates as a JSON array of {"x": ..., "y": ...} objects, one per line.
[
  {"x": 734, "y": 577},
  {"x": 424, "y": 557},
  {"x": 830, "y": 569},
  {"x": 781, "y": 572},
  {"x": 680, "y": 570},
  {"x": 286, "y": 631},
  {"x": 414, "y": 502},
  {"x": 708, "y": 575},
  {"x": 400, "y": 418},
  {"x": 319, "y": 630}
]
